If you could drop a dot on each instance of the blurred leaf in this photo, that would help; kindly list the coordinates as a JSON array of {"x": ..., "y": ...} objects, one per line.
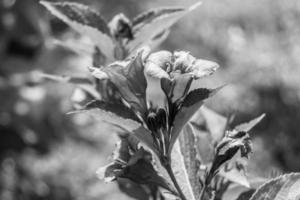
[
  {"x": 158, "y": 39},
  {"x": 86, "y": 21},
  {"x": 249, "y": 125},
  {"x": 181, "y": 173},
  {"x": 215, "y": 122},
  {"x": 190, "y": 105},
  {"x": 204, "y": 146},
  {"x": 191, "y": 160},
  {"x": 281, "y": 188},
  {"x": 84, "y": 83},
  {"x": 147, "y": 25}
]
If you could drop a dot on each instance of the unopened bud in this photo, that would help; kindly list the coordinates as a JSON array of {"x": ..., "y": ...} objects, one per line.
[
  {"x": 121, "y": 27},
  {"x": 161, "y": 117},
  {"x": 151, "y": 121}
]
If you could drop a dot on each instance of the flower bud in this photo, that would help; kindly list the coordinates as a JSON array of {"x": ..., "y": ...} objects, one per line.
[
  {"x": 151, "y": 121},
  {"x": 161, "y": 117},
  {"x": 121, "y": 27}
]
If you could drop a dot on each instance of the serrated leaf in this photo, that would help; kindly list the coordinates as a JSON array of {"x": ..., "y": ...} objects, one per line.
[
  {"x": 188, "y": 149},
  {"x": 190, "y": 105},
  {"x": 86, "y": 21},
  {"x": 148, "y": 25},
  {"x": 281, "y": 188},
  {"x": 249, "y": 125},
  {"x": 180, "y": 172}
]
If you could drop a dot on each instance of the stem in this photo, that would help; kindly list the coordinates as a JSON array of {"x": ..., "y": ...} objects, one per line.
[
  {"x": 202, "y": 192},
  {"x": 172, "y": 176}
]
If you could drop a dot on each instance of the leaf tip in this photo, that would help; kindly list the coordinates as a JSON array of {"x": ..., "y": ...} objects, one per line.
[{"x": 196, "y": 5}]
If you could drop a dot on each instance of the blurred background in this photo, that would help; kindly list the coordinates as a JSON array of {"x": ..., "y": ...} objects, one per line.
[{"x": 46, "y": 154}]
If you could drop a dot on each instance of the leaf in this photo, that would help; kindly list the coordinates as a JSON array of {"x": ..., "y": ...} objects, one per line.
[
  {"x": 84, "y": 83},
  {"x": 158, "y": 39},
  {"x": 249, "y": 125},
  {"x": 109, "y": 172},
  {"x": 204, "y": 146},
  {"x": 237, "y": 192},
  {"x": 78, "y": 46},
  {"x": 130, "y": 81},
  {"x": 117, "y": 109},
  {"x": 180, "y": 172},
  {"x": 120, "y": 117},
  {"x": 140, "y": 170},
  {"x": 281, "y": 188},
  {"x": 215, "y": 122},
  {"x": 191, "y": 160},
  {"x": 190, "y": 105},
  {"x": 148, "y": 25},
  {"x": 227, "y": 148},
  {"x": 246, "y": 195},
  {"x": 121, "y": 152},
  {"x": 133, "y": 189},
  {"x": 86, "y": 21},
  {"x": 236, "y": 176}
]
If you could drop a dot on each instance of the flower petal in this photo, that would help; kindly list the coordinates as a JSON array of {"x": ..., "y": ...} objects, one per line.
[
  {"x": 202, "y": 68},
  {"x": 158, "y": 64}
]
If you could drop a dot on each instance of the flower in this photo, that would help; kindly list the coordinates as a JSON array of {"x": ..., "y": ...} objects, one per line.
[
  {"x": 155, "y": 128},
  {"x": 164, "y": 64},
  {"x": 176, "y": 71}
]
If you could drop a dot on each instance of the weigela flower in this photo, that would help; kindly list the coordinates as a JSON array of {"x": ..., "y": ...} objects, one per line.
[{"x": 175, "y": 73}]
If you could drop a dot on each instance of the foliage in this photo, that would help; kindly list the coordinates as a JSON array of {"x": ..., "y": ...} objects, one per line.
[{"x": 165, "y": 148}]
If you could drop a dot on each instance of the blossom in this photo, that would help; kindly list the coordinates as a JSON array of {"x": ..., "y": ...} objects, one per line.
[{"x": 156, "y": 127}]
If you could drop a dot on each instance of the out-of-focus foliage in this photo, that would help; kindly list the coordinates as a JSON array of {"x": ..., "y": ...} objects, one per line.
[{"x": 48, "y": 155}]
